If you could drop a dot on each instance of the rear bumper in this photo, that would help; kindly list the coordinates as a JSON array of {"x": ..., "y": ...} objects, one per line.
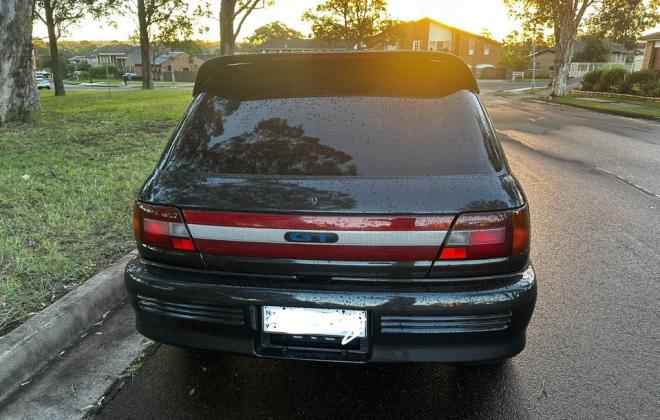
[{"x": 479, "y": 321}]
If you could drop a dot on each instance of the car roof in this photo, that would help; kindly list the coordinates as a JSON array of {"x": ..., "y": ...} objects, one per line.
[{"x": 388, "y": 73}]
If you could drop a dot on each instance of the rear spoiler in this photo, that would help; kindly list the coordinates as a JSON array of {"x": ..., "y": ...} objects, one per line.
[{"x": 382, "y": 73}]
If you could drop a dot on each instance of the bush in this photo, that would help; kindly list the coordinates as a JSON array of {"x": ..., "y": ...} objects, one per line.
[
  {"x": 643, "y": 77},
  {"x": 83, "y": 66},
  {"x": 655, "y": 92},
  {"x": 591, "y": 79},
  {"x": 624, "y": 87},
  {"x": 99, "y": 72},
  {"x": 613, "y": 77},
  {"x": 600, "y": 87},
  {"x": 644, "y": 81}
]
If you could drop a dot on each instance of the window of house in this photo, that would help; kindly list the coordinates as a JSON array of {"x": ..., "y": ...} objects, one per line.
[
  {"x": 169, "y": 68},
  {"x": 439, "y": 45},
  {"x": 486, "y": 49},
  {"x": 472, "y": 46},
  {"x": 417, "y": 45},
  {"x": 186, "y": 69}
]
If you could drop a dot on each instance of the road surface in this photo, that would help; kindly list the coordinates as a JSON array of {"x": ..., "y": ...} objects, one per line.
[{"x": 593, "y": 352}]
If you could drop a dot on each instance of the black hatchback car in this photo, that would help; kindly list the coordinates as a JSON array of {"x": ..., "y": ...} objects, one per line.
[{"x": 352, "y": 207}]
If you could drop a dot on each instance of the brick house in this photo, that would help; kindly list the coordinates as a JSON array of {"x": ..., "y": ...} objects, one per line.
[
  {"x": 480, "y": 53},
  {"x": 118, "y": 55},
  {"x": 183, "y": 65},
  {"x": 652, "y": 51}
]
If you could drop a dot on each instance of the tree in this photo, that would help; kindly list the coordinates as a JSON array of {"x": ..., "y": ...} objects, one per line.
[
  {"x": 486, "y": 33},
  {"x": 594, "y": 51},
  {"x": 515, "y": 52},
  {"x": 232, "y": 11},
  {"x": 18, "y": 90},
  {"x": 565, "y": 18},
  {"x": 272, "y": 31},
  {"x": 159, "y": 21},
  {"x": 517, "y": 49},
  {"x": 58, "y": 16},
  {"x": 622, "y": 21},
  {"x": 356, "y": 22}
]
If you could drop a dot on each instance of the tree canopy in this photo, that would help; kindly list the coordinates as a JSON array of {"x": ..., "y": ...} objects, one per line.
[
  {"x": 356, "y": 22},
  {"x": 517, "y": 48},
  {"x": 623, "y": 21},
  {"x": 595, "y": 50},
  {"x": 233, "y": 14},
  {"x": 272, "y": 31}
]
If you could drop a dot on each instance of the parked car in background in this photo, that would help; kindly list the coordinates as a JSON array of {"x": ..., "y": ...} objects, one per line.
[
  {"x": 43, "y": 83},
  {"x": 43, "y": 74},
  {"x": 350, "y": 207},
  {"x": 132, "y": 76}
]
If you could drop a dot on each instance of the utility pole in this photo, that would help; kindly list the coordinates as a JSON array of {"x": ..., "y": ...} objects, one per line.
[{"x": 534, "y": 62}]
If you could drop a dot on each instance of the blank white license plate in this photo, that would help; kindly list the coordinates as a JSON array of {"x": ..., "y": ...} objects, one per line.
[{"x": 312, "y": 321}]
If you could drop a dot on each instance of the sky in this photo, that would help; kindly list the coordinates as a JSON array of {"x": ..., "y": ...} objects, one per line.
[{"x": 470, "y": 15}]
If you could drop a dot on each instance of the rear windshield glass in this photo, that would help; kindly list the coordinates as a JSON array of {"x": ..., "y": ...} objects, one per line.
[{"x": 336, "y": 136}]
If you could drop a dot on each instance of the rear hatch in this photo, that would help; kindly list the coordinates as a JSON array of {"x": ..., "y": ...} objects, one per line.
[{"x": 359, "y": 179}]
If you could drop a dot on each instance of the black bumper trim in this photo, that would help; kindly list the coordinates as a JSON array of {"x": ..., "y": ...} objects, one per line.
[
  {"x": 444, "y": 324},
  {"x": 408, "y": 323}
]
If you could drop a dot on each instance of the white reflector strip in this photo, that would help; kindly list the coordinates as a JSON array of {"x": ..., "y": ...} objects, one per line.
[
  {"x": 179, "y": 230},
  {"x": 360, "y": 238}
]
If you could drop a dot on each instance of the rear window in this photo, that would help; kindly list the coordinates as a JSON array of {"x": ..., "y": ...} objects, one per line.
[{"x": 364, "y": 136}]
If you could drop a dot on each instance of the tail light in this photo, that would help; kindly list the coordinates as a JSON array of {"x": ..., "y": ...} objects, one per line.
[
  {"x": 161, "y": 227},
  {"x": 477, "y": 236}
]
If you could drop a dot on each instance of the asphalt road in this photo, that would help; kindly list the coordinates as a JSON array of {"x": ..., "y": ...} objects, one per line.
[{"x": 593, "y": 351}]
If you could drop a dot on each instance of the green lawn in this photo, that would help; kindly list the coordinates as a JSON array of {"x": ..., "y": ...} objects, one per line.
[
  {"x": 626, "y": 107},
  {"x": 120, "y": 83},
  {"x": 84, "y": 160}
]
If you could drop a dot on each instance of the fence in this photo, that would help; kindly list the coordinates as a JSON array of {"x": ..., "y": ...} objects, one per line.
[{"x": 580, "y": 69}]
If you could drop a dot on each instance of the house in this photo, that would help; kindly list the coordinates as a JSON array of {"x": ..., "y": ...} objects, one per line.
[
  {"x": 177, "y": 62},
  {"x": 117, "y": 55},
  {"x": 545, "y": 58},
  {"x": 652, "y": 51},
  {"x": 183, "y": 65},
  {"x": 480, "y": 53},
  {"x": 300, "y": 45},
  {"x": 128, "y": 58}
]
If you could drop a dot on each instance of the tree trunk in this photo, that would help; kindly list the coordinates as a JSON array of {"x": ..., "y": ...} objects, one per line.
[
  {"x": 55, "y": 68},
  {"x": 147, "y": 76},
  {"x": 227, "y": 40},
  {"x": 18, "y": 88},
  {"x": 565, "y": 28}
]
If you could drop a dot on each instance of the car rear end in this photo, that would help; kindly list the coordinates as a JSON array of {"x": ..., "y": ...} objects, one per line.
[{"x": 341, "y": 207}]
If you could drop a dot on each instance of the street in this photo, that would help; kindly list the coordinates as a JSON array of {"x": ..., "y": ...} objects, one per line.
[{"x": 593, "y": 350}]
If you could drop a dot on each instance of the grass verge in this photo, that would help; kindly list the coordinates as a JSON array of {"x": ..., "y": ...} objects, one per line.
[
  {"x": 66, "y": 187},
  {"x": 625, "y": 107}
]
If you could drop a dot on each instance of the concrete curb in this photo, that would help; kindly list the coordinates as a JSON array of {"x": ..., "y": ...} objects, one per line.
[{"x": 30, "y": 347}]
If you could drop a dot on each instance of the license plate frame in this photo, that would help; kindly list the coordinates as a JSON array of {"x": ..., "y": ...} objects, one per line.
[{"x": 301, "y": 321}]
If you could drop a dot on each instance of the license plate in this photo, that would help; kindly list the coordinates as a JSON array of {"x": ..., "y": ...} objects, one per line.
[{"x": 344, "y": 323}]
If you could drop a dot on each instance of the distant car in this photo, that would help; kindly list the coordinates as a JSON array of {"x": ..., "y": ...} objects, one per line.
[
  {"x": 132, "y": 76},
  {"x": 42, "y": 74},
  {"x": 352, "y": 207},
  {"x": 42, "y": 83}
]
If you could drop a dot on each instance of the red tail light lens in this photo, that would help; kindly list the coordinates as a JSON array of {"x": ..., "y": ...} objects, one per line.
[
  {"x": 161, "y": 227},
  {"x": 480, "y": 236}
]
